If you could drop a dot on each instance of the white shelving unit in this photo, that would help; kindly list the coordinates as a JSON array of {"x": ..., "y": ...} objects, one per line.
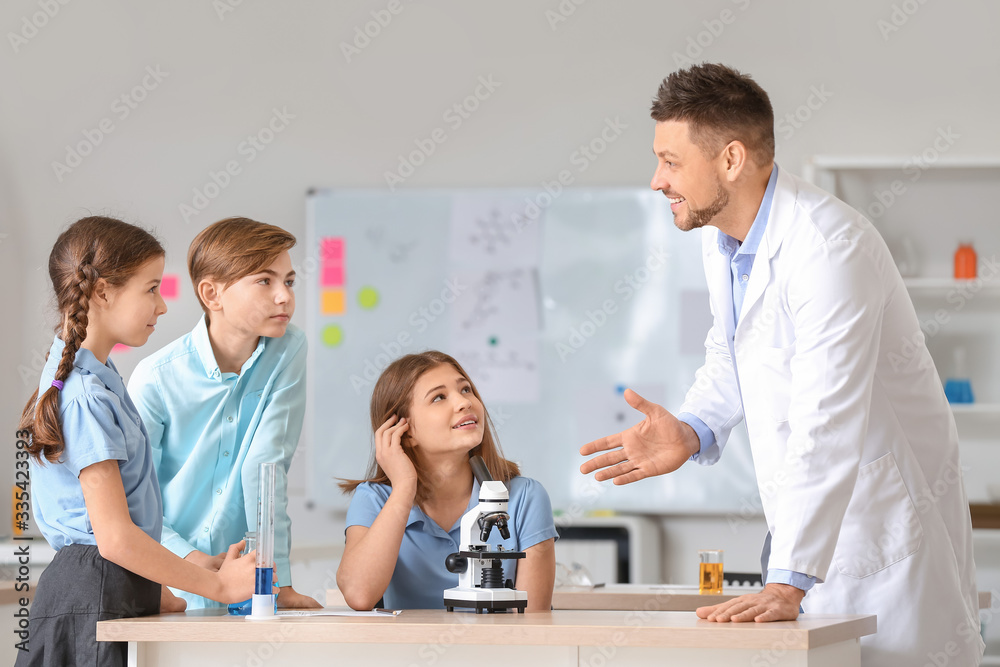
[
  {"x": 944, "y": 285},
  {"x": 987, "y": 409},
  {"x": 935, "y": 202},
  {"x": 821, "y": 170}
]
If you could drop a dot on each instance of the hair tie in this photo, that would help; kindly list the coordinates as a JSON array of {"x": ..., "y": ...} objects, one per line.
[{"x": 58, "y": 384}]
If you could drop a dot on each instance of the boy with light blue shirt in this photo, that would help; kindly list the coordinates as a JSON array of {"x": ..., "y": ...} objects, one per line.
[{"x": 228, "y": 396}]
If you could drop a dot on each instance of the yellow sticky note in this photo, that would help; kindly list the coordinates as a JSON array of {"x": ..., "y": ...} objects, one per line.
[{"x": 332, "y": 302}]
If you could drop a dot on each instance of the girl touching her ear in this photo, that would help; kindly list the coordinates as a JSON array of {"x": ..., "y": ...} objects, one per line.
[{"x": 405, "y": 517}]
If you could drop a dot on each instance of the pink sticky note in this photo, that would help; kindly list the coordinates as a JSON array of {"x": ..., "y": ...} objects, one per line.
[
  {"x": 169, "y": 286},
  {"x": 332, "y": 250},
  {"x": 119, "y": 348},
  {"x": 332, "y": 276}
]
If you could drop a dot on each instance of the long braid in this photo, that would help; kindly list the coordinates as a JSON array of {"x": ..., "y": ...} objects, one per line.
[
  {"x": 46, "y": 432},
  {"x": 75, "y": 331}
]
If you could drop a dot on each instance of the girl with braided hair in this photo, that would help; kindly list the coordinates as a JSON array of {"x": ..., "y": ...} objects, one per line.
[{"x": 97, "y": 499}]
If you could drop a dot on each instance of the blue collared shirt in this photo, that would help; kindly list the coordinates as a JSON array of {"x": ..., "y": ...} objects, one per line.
[
  {"x": 741, "y": 258},
  {"x": 210, "y": 430},
  {"x": 420, "y": 577},
  {"x": 99, "y": 423}
]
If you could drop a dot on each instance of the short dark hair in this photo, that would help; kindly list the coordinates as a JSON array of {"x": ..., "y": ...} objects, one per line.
[{"x": 720, "y": 105}]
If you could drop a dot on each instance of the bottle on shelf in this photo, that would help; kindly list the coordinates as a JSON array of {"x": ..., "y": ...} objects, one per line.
[
  {"x": 965, "y": 262},
  {"x": 958, "y": 387}
]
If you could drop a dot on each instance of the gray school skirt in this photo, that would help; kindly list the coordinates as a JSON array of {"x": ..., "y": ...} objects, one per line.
[{"x": 76, "y": 591}]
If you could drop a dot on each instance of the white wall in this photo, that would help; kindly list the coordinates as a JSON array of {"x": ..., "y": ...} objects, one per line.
[{"x": 872, "y": 91}]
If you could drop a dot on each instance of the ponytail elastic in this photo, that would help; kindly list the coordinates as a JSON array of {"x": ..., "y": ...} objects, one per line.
[{"x": 58, "y": 384}]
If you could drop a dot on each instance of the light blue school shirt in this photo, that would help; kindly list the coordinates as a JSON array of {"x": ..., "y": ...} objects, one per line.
[
  {"x": 420, "y": 577},
  {"x": 99, "y": 423},
  {"x": 210, "y": 430},
  {"x": 741, "y": 258}
]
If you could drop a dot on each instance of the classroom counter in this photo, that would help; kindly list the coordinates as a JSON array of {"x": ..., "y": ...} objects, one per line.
[
  {"x": 624, "y": 597},
  {"x": 649, "y": 597},
  {"x": 558, "y": 638}
]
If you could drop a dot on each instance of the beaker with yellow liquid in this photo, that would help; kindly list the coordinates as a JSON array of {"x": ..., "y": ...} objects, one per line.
[{"x": 710, "y": 572}]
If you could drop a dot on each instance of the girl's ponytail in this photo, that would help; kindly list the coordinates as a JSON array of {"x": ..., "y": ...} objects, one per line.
[{"x": 91, "y": 249}]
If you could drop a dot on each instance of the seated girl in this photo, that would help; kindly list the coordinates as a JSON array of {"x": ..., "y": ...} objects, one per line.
[{"x": 405, "y": 517}]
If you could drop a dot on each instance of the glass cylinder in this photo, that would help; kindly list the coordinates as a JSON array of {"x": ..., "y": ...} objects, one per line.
[
  {"x": 263, "y": 597},
  {"x": 710, "y": 572}
]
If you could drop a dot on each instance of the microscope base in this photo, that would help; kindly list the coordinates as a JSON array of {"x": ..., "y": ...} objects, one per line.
[{"x": 489, "y": 600}]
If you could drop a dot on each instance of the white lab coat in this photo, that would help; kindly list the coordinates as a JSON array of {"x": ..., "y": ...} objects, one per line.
[{"x": 854, "y": 445}]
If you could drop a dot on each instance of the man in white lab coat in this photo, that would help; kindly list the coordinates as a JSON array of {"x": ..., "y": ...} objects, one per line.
[{"x": 815, "y": 343}]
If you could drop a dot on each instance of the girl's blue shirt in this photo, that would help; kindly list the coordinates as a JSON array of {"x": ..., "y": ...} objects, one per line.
[
  {"x": 420, "y": 577},
  {"x": 99, "y": 423}
]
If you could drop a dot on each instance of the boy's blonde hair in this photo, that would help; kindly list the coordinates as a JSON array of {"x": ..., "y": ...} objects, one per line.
[{"x": 234, "y": 248}]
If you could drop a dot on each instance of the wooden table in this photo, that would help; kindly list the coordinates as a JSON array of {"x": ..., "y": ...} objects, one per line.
[
  {"x": 623, "y": 597},
  {"x": 425, "y": 637}
]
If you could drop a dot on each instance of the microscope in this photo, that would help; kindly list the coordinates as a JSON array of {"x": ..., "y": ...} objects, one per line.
[{"x": 481, "y": 584}]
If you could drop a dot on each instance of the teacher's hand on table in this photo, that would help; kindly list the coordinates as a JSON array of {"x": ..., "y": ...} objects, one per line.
[
  {"x": 657, "y": 445},
  {"x": 777, "y": 602}
]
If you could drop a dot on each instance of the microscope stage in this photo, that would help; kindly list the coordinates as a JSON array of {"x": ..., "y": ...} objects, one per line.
[{"x": 493, "y": 555}]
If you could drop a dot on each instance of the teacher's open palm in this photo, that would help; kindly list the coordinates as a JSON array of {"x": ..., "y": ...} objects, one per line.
[{"x": 658, "y": 444}]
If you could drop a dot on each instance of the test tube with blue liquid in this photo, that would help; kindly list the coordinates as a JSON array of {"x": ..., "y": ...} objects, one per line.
[{"x": 264, "y": 600}]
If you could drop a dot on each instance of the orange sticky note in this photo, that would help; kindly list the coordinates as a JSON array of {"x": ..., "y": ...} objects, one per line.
[{"x": 332, "y": 302}]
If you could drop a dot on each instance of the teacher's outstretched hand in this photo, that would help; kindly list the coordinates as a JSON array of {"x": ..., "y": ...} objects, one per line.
[{"x": 658, "y": 444}]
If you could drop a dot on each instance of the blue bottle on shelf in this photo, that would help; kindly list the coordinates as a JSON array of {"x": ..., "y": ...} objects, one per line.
[{"x": 958, "y": 388}]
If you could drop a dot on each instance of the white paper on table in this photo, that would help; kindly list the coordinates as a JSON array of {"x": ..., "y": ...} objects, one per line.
[
  {"x": 493, "y": 232},
  {"x": 337, "y": 612}
]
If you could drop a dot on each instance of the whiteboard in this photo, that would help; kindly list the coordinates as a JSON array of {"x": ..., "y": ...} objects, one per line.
[{"x": 593, "y": 290}]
